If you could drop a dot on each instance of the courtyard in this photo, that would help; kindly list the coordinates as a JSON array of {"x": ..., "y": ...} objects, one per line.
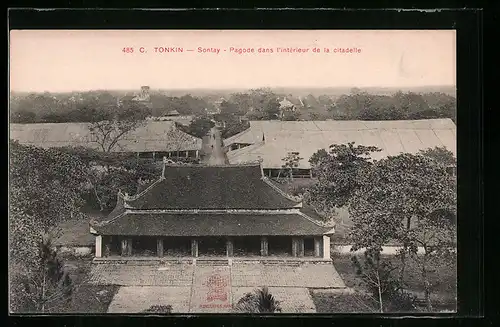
[{"x": 212, "y": 288}]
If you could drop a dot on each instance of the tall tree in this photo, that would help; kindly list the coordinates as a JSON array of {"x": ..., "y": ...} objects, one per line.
[
  {"x": 116, "y": 124},
  {"x": 198, "y": 127},
  {"x": 45, "y": 184},
  {"x": 338, "y": 173},
  {"x": 290, "y": 162},
  {"x": 44, "y": 286},
  {"x": 45, "y": 189},
  {"x": 397, "y": 200}
]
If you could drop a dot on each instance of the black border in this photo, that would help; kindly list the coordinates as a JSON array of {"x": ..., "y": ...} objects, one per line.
[{"x": 468, "y": 24}]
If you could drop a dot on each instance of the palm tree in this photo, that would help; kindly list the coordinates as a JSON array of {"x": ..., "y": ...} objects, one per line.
[{"x": 260, "y": 301}]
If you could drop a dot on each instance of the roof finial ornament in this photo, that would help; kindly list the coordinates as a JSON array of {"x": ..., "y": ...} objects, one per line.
[
  {"x": 261, "y": 167},
  {"x": 163, "y": 169}
]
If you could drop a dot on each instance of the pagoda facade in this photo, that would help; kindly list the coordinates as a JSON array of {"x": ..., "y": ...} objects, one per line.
[{"x": 211, "y": 211}]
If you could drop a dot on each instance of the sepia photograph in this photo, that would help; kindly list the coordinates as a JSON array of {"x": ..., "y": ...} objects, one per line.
[{"x": 232, "y": 171}]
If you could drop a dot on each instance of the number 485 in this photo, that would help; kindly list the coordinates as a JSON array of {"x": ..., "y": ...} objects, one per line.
[{"x": 128, "y": 50}]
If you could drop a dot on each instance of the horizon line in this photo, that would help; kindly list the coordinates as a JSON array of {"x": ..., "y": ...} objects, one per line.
[{"x": 234, "y": 88}]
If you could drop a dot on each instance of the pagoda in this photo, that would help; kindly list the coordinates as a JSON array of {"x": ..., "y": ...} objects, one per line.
[{"x": 211, "y": 211}]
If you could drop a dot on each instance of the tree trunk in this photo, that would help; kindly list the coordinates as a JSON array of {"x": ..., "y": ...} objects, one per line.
[
  {"x": 380, "y": 301},
  {"x": 404, "y": 252},
  {"x": 427, "y": 288},
  {"x": 43, "y": 293}
]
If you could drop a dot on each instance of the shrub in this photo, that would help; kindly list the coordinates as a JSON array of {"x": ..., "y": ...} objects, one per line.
[
  {"x": 260, "y": 301},
  {"x": 159, "y": 309}
]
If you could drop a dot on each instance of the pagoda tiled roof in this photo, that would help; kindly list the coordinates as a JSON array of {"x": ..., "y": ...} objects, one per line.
[
  {"x": 211, "y": 187},
  {"x": 212, "y": 224}
]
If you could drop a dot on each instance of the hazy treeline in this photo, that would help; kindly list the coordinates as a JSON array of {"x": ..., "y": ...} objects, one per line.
[{"x": 254, "y": 104}]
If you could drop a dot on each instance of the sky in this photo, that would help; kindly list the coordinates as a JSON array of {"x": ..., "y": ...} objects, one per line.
[{"x": 59, "y": 61}]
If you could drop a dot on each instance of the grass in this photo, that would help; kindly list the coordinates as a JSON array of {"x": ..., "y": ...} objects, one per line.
[
  {"x": 326, "y": 302},
  {"x": 442, "y": 278},
  {"x": 87, "y": 298}
]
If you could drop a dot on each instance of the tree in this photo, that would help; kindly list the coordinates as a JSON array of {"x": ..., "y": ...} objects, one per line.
[
  {"x": 317, "y": 158},
  {"x": 46, "y": 187},
  {"x": 441, "y": 155},
  {"x": 290, "y": 162},
  {"x": 234, "y": 127},
  {"x": 45, "y": 184},
  {"x": 47, "y": 283},
  {"x": 338, "y": 174},
  {"x": 109, "y": 131},
  {"x": 290, "y": 115},
  {"x": 23, "y": 117},
  {"x": 198, "y": 127},
  {"x": 260, "y": 301},
  {"x": 377, "y": 276},
  {"x": 436, "y": 234},
  {"x": 397, "y": 200}
]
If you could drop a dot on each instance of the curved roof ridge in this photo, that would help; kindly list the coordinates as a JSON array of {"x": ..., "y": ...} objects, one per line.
[
  {"x": 138, "y": 195},
  {"x": 317, "y": 222},
  {"x": 280, "y": 191},
  {"x": 236, "y": 136},
  {"x": 245, "y": 149}
]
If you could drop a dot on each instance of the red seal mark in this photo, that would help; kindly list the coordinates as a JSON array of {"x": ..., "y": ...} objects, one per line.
[{"x": 217, "y": 288}]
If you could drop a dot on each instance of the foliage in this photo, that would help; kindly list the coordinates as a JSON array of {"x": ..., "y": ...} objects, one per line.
[
  {"x": 260, "y": 301},
  {"x": 41, "y": 287},
  {"x": 290, "y": 162},
  {"x": 441, "y": 155},
  {"x": 108, "y": 173},
  {"x": 234, "y": 127},
  {"x": 317, "y": 157},
  {"x": 262, "y": 103},
  {"x": 109, "y": 128},
  {"x": 45, "y": 185},
  {"x": 339, "y": 174},
  {"x": 198, "y": 127},
  {"x": 290, "y": 116},
  {"x": 408, "y": 199},
  {"x": 159, "y": 309},
  {"x": 378, "y": 278}
]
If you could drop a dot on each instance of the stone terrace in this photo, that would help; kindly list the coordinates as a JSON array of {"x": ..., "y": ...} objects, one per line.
[
  {"x": 306, "y": 275},
  {"x": 213, "y": 287}
]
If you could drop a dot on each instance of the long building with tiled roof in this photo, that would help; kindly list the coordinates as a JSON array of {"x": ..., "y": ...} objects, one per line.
[
  {"x": 271, "y": 141},
  {"x": 150, "y": 139},
  {"x": 202, "y": 210}
]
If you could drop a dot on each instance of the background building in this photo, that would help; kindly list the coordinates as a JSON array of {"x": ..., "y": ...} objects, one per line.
[{"x": 273, "y": 140}]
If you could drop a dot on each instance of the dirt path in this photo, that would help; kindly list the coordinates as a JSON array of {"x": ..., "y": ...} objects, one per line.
[{"x": 213, "y": 145}]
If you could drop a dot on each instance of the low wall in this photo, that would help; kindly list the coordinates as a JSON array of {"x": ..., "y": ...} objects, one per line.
[
  {"x": 389, "y": 250},
  {"x": 79, "y": 251}
]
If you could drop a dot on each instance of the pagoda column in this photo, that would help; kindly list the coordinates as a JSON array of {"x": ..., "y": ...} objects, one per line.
[
  {"x": 124, "y": 247},
  {"x": 300, "y": 247},
  {"x": 197, "y": 154},
  {"x": 317, "y": 246},
  {"x": 295, "y": 247},
  {"x": 107, "y": 246},
  {"x": 194, "y": 248},
  {"x": 326, "y": 247},
  {"x": 229, "y": 247},
  {"x": 98, "y": 246},
  {"x": 159, "y": 247},
  {"x": 129, "y": 243},
  {"x": 264, "y": 246}
]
